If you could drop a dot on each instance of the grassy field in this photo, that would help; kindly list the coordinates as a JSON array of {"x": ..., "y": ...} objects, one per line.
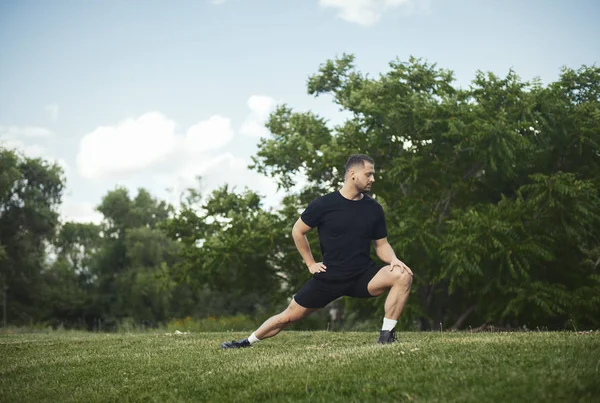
[{"x": 301, "y": 366}]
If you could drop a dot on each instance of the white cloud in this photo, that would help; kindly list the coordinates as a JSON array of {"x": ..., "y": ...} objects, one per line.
[
  {"x": 29, "y": 150},
  {"x": 210, "y": 134},
  {"x": 260, "y": 108},
  {"x": 52, "y": 110},
  {"x": 15, "y": 132},
  {"x": 217, "y": 171},
  {"x": 71, "y": 210},
  {"x": 362, "y": 12},
  {"x": 149, "y": 151},
  {"x": 140, "y": 143},
  {"x": 149, "y": 140},
  {"x": 129, "y": 146}
]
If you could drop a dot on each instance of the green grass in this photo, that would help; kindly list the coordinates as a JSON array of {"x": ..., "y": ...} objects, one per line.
[{"x": 301, "y": 366}]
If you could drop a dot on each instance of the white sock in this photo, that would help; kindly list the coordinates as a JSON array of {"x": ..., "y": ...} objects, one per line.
[
  {"x": 388, "y": 324},
  {"x": 253, "y": 339}
]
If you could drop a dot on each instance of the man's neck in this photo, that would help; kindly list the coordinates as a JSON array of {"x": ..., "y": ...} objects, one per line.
[{"x": 350, "y": 192}]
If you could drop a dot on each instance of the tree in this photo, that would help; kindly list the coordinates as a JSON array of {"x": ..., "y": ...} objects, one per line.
[
  {"x": 70, "y": 282},
  {"x": 146, "y": 286},
  {"x": 228, "y": 249},
  {"x": 490, "y": 192},
  {"x": 30, "y": 191},
  {"x": 133, "y": 260}
]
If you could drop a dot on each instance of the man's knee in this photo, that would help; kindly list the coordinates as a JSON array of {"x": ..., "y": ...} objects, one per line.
[
  {"x": 402, "y": 278},
  {"x": 288, "y": 317}
]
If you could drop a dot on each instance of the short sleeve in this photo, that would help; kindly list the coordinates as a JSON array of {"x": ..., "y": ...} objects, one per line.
[
  {"x": 380, "y": 229},
  {"x": 313, "y": 213}
]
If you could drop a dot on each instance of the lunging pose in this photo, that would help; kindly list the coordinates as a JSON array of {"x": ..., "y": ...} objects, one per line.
[{"x": 348, "y": 220}]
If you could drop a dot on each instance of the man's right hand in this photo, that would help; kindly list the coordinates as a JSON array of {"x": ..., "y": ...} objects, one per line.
[{"x": 317, "y": 267}]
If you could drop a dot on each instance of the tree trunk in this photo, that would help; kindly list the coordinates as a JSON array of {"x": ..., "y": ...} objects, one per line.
[
  {"x": 463, "y": 317},
  {"x": 440, "y": 304},
  {"x": 425, "y": 295}
]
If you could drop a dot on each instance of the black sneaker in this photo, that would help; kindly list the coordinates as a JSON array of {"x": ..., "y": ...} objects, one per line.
[
  {"x": 387, "y": 336},
  {"x": 235, "y": 344}
]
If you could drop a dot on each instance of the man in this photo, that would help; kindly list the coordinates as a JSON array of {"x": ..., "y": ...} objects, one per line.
[{"x": 347, "y": 221}]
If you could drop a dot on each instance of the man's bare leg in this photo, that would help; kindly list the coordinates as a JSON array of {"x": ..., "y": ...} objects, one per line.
[
  {"x": 272, "y": 326},
  {"x": 398, "y": 282}
]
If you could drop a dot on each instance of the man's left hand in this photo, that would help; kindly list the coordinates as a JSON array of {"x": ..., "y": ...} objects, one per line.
[{"x": 397, "y": 263}]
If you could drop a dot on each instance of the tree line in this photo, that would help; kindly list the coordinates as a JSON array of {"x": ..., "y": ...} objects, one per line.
[{"x": 491, "y": 195}]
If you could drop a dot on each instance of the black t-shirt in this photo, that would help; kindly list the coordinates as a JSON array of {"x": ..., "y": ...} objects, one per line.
[{"x": 346, "y": 229}]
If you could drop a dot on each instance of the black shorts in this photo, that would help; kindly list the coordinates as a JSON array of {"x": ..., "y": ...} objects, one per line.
[{"x": 317, "y": 293}]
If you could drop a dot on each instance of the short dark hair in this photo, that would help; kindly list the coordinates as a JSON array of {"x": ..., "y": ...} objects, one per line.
[{"x": 358, "y": 159}]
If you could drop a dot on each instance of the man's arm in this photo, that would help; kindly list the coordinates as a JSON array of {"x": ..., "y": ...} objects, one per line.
[
  {"x": 386, "y": 253},
  {"x": 299, "y": 234}
]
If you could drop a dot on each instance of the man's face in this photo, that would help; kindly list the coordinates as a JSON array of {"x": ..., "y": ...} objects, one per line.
[{"x": 364, "y": 177}]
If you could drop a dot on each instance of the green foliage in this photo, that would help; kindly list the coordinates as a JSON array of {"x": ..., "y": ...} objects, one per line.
[
  {"x": 228, "y": 246},
  {"x": 30, "y": 192},
  {"x": 134, "y": 262},
  {"x": 491, "y": 195},
  {"x": 490, "y": 192}
]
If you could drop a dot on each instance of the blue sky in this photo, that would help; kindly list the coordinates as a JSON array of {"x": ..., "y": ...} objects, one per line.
[{"x": 153, "y": 93}]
